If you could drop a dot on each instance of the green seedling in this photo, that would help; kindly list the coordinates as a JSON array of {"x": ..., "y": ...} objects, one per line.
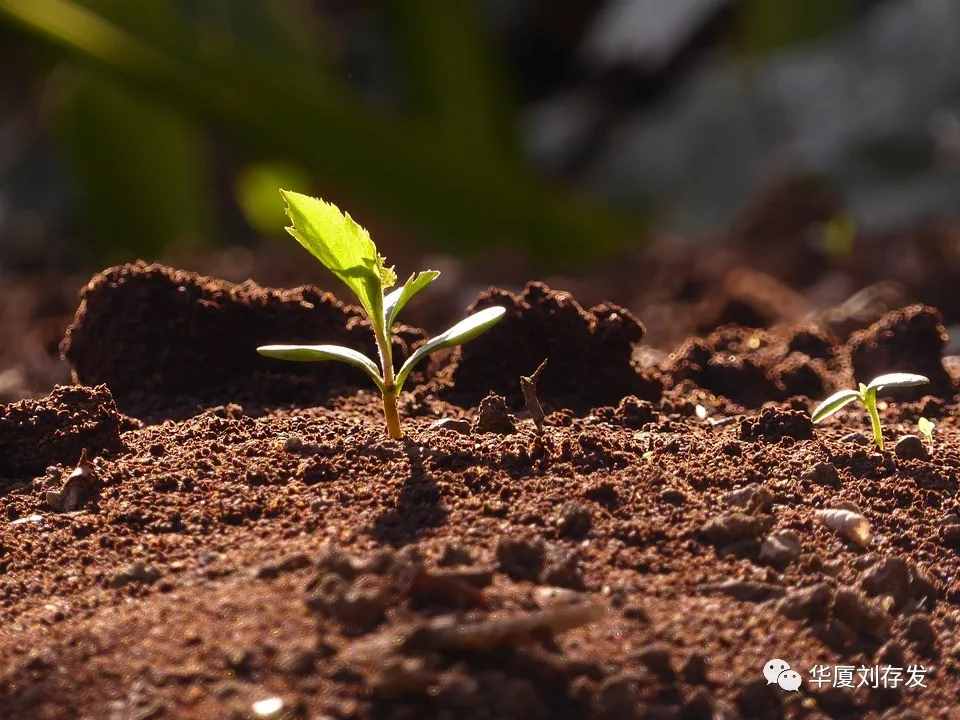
[
  {"x": 346, "y": 249},
  {"x": 867, "y": 395},
  {"x": 926, "y": 428}
]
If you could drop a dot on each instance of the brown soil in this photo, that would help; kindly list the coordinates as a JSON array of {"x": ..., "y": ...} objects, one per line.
[{"x": 253, "y": 533}]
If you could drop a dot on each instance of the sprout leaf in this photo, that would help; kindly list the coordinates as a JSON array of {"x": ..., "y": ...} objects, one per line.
[
  {"x": 464, "y": 331},
  {"x": 833, "y": 403},
  {"x": 395, "y": 301},
  {"x": 343, "y": 246},
  {"x": 897, "y": 380},
  {"x": 320, "y": 353}
]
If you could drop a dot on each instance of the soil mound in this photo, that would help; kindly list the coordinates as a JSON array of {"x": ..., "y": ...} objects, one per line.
[
  {"x": 57, "y": 429},
  {"x": 752, "y": 366},
  {"x": 907, "y": 340},
  {"x": 150, "y": 331},
  {"x": 588, "y": 351}
]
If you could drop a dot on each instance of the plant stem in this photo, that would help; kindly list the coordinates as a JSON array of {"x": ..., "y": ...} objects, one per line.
[
  {"x": 870, "y": 401},
  {"x": 391, "y": 415},
  {"x": 389, "y": 388}
]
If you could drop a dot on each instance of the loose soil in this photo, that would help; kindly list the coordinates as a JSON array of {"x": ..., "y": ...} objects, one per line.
[{"x": 249, "y": 543}]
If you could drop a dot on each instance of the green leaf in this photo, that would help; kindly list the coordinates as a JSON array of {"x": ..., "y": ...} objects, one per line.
[
  {"x": 320, "y": 353},
  {"x": 462, "y": 332},
  {"x": 343, "y": 246},
  {"x": 926, "y": 427},
  {"x": 833, "y": 403},
  {"x": 395, "y": 301},
  {"x": 897, "y": 380}
]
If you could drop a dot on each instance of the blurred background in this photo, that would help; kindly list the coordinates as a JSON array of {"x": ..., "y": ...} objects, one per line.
[{"x": 699, "y": 161}]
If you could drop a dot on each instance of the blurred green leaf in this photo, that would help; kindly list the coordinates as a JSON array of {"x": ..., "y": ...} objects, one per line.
[
  {"x": 256, "y": 193},
  {"x": 138, "y": 168},
  {"x": 425, "y": 171}
]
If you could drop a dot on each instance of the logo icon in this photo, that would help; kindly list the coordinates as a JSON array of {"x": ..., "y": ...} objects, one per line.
[{"x": 778, "y": 672}]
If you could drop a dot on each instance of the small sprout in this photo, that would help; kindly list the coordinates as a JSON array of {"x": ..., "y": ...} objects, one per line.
[
  {"x": 347, "y": 250},
  {"x": 867, "y": 395},
  {"x": 529, "y": 387},
  {"x": 926, "y": 428}
]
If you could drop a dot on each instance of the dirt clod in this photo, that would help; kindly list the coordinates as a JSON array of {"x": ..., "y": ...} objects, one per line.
[
  {"x": 575, "y": 520},
  {"x": 907, "y": 340},
  {"x": 911, "y": 447},
  {"x": 589, "y": 351},
  {"x": 493, "y": 416},
  {"x": 734, "y": 527},
  {"x": 823, "y": 473},
  {"x": 521, "y": 559},
  {"x": 149, "y": 330},
  {"x": 772, "y": 425},
  {"x": 780, "y": 548},
  {"x": 57, "y": 429}
]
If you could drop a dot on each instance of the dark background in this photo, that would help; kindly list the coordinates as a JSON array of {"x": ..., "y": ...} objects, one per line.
[{"x": 637, "y": 150}]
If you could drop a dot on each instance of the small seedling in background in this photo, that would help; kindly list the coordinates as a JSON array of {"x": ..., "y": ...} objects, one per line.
[
  {"x": 346, "y": 249},
  {"x": 867, "y": 395},
  {"x": 926, "y": 428}
]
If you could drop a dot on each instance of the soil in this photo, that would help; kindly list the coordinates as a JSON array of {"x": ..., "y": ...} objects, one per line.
[{"x": 250, "y": 543}]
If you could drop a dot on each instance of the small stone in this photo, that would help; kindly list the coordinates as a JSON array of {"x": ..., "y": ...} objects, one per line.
[
  {"x": 812, "y": 603},
  {"x": 456, "y": 425},
  {"x": 891, "y": 577},
  {"x": 493, "y": 416},
  {"x": 950, "y": 536},
  {"x": 271, "y": 707},
  {"x": 636, "y": 612},
  {"x": 910, "y": 447},
  {"x": 138, "y": 572},
  {"x": 856, "y": 437},
  {"x": 453, "y": 554},
  {"x": 823, "y": 473},
  {"x": 780, "y": 548},
  {"x": 673, "y": 496},
  {"x": 521, "y": 559},
  {"x": 298, "y": 661},
  {"x": 920, "y": 630},
  {"x": 733, "y": 527},
  {"x": 293, "y": 444},
  {"x": 753, "y": 497},
  {"x": 656, "y": 658},
  {"x": 575, "y": 520},
  {"x": 563, "y": 570},
  {"x": 285, "y": 565},
  {"x": 865, "y": 616},
  {"x": 746, "y": 590}
]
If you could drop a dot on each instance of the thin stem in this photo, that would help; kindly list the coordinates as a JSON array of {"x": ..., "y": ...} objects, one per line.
[
  {"x": 389, "y": 386},
  {"x": 870, "y": 401},
  {"x": 392, "y": 416}
]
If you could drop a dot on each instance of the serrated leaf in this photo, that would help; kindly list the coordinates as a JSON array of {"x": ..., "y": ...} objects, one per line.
[
  {"x": 897, "y": 380},
  {"x": 395, "y": 301},
  {"x": 343, "y": 246},
  {"x": 833, "y": 403},
  {"x": 464, "y": 331},
  {"x": 321, "y": 353}
]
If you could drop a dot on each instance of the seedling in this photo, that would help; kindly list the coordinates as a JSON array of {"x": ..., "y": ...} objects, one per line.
[
  {"x": 867, "y": 395},
  {"x": 926, "y": 427},
  {"x": 346, "y": 249}
]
